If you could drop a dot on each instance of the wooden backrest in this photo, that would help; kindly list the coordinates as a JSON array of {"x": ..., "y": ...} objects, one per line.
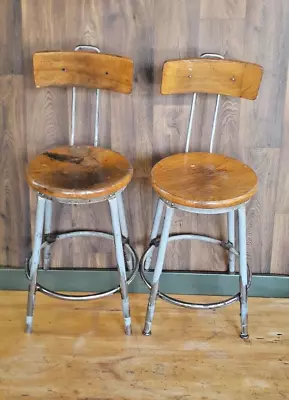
[
  {"x": 201, "y": 75},
  {"x": 82, "y": 68}
]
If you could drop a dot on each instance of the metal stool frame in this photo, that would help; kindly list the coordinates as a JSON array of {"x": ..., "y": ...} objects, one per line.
[
  {"x": 161, "y": 241},
  {"x": 44, "y": 238}
]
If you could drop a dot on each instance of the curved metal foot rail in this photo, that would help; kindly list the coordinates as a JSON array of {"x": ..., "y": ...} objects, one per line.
[
  {"x": 51, "y": 239},
  {"x": 226, "y": 246}
]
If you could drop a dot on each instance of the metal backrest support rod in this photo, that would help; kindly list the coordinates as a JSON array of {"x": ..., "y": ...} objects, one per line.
[
  {"x": 84, "y": 67},
  {"x": 210, "y": 74},
  {"x": 73, "y": 105},
  {"x": 193, "y": 108}
]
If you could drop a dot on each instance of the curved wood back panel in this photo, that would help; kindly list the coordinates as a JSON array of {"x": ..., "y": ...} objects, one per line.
[
  {"x": 87, "y": 69},
  {"x": 201, "y": 75}
]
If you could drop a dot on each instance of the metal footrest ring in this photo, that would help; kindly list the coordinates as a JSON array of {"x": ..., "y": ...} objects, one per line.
[
  {"x": 51, "y": 239},
  {"x": 186, "y": 304}
]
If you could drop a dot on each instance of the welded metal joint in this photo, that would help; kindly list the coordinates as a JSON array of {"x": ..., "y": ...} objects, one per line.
[
  {"x": 50, "y": 238},
  {"x": 227, "y": 245},
  {"x": 125, "y": 240},
  {"x": 111, "y": 196},
  {"x": 155, "y": 242}
]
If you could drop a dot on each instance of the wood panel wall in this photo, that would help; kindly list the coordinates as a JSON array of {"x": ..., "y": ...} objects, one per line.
[{"x": 146, "y": 126}]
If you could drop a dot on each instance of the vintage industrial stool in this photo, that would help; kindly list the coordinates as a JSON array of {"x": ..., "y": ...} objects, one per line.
[
  {"x": 81, "y": 174},
  {"x": 203, "y": 183}
]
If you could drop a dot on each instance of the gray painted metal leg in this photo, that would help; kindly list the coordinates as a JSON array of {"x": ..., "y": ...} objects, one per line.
[
  {"x": 155, "y": 229},
  {"x": 35, "y": 262},
  {"x": 243, "y": 272},
  {"x": 121, "y": 263},
  {"x": 124, "y": 230},
  {"x": 122, "y": 218},
  {"x": 47, "y": 230},
  {"x": 158, "y": 270},
  {"x": 231, "y": 239}
]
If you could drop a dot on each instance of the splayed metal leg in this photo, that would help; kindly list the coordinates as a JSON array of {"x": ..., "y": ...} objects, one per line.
[
  {"x": 124, "y": 230},
  {"x": 158, "y": 269},
  {"x": 121, "y": 263},
  {"x": 231, "y": 240},
  {"x": 47, "y": 231},
  {"x": 35, "y": 262},
  {"x": 243, "y": 273},
  {"x": 155, "y": 229}
]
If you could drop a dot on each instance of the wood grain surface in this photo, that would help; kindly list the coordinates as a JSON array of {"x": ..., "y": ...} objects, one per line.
[
  {"x": 14, "y": 202},
  {"x": 79, "y": 172},
  {"x": 146, "y": 126},
  {"x": 203, "y": 180},
  {"x": 11, "y": 60},
  {"x": 227, "y": 77},
  {"x": 78, "y": 351},
  {"x": 86, "y": 69}
]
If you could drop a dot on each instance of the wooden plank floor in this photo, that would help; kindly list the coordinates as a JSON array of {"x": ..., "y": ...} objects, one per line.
[{"x": 78, "y": 351}]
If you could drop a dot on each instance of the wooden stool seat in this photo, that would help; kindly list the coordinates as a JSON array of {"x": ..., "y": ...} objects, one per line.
[
  {"x": 79, "y": 172},
  {"x": 203, "y": 180}
]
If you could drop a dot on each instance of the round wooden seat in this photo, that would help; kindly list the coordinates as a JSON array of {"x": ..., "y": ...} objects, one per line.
[
  {"x": 79, "y": 172},
  {"x": 203, "y": 180}
]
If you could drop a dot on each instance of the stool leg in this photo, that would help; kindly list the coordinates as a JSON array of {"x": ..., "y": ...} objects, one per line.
[
  {"x": 35, "y": 259},
  {"x": 124, "y": 230},
  {"x": 47, "y": 230},
  {"x": 243, "y": 272},
  {"x": 121, "y": 263},
  {"x": 158, "y": 270},
  {"x": 155, "y": 229},
  {"x": 231, "y": 239}
]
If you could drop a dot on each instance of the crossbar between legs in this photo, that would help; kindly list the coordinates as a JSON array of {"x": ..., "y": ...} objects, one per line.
[
  {"x": 93, "y": 296},
  {"x": 153, "y": 245}
]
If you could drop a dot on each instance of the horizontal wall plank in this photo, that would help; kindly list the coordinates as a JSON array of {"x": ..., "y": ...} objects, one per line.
[
  {"x": 280, "y": 251},
  {"x": 223, "y": 9},
  {"x": 14, "y": 200},
  {"x": 11, "y": 50}
]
